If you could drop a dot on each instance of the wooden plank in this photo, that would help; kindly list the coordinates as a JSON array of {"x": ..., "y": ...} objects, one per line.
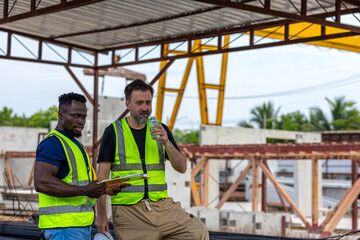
[
  {"x": 195, "y": 193},
  {"x": 117, "y": 72},
  {"x": 198, "y": 166},
  {"x": 206, "y": 184},
  {"x": 282, "y": 201},
  {"x": 340, "y": 211},
  {"x": 31, "y": 176},
  {"x": 284, "y": 194},
  {"x": 8, "y": 172},
  {"x": 264, "y": 190},
  {"x": 255, "y": 185},
  {"x": 20, "y": 154},
  {"x": 315, "y": 192},
  {"x": 234, "y": 186},
  {"x": 354, "y": 210}
]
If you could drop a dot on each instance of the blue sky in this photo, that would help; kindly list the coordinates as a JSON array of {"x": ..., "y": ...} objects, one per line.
[{"x": 29, "y": 87}]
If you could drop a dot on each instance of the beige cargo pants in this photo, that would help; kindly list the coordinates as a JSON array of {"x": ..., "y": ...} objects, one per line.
[{"x": 164, "y": 219}]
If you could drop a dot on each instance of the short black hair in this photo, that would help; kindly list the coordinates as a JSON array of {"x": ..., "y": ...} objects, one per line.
[
  {"x": 66, "y": 99},
  {"x": 137, "y": 85}
]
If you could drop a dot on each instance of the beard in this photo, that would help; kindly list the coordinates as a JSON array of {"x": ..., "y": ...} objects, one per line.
[
  {"x": 73, "y": 134},
  {"x": 141, "y": 119}
]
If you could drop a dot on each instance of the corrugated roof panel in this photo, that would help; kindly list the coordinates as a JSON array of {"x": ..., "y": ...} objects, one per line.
[
  {"x": 191, "y": 24},
  {"x": 102, "y": 17}
]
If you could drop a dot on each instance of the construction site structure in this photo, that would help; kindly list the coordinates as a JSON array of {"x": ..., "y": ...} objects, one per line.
[
  {"x": 90, "y": 34},
  {"x": 200, "y": 186}
]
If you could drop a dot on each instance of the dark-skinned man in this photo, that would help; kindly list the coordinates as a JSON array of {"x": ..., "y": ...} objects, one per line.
[
  {"x": 64, "y": 177},
  {"x": 144, "y": 210}
]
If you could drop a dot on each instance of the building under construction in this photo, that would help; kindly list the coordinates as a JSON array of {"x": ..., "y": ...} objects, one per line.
[{"x": 144, "y": 31}]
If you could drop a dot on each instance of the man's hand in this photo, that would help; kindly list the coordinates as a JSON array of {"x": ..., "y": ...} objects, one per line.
[
  {"x": 94, "y": 189},
  {"x": 160, "y": 130},
  {"x": 101, "y": 222},
  {"x": 114, "y": 189}
]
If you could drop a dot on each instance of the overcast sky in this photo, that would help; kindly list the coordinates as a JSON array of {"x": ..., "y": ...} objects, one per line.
[{"x": 323, "y": 72}]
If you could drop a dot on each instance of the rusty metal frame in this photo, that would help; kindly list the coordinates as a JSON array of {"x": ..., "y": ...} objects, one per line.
[
  {"x": 258, "y": 154},
  {"x": 33, "y": 12},
  {"x": 302, "y": 16}
]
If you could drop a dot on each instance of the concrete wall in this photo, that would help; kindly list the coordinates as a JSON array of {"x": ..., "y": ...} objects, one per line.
[
  {"x": 179, "y": 184},
  {"x": 19, "y": 139},
  {"x": 110, "y": 108},
  {"x": 242, "y": 222},
  {"x": 233, "y": 135}
]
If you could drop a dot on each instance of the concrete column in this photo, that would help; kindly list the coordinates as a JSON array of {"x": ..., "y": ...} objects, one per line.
[
  {"x": 303, "y": 185},
  {"x": 214, "y": 180}
]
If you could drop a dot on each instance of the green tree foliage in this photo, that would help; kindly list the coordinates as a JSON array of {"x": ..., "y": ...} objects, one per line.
[
  {"x": 295, "y": 121},
  {"x": 245, "y": 124},
  {"x": 318, "y": 120},
  {"x": 265, "y": 113},
  {"x": 5, "y": 117},
  {"x": 186, "y": 136},
  {"x": 344, "y": 116},
  {"x": 39, "y": 119}
]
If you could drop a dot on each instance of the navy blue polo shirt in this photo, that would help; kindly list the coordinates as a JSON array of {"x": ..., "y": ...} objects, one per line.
[{"x": 50, "y": 150}]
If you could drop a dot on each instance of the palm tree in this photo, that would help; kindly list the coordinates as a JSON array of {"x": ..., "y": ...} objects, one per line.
[
  {"x": 344, "y": 116},
  {"x": 265, "y": 115},
  {"x": 245, "y": 124},
  {"x": 318, "y": 120}
]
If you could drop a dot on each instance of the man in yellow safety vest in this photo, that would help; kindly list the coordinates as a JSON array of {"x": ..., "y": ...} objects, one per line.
[
  {"x": 144, "y": 210},
  {"x": 64, "y": 177}
]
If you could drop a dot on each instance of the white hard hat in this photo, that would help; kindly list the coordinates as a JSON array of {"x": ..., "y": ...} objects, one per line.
[{"x": 106, "y": 236}]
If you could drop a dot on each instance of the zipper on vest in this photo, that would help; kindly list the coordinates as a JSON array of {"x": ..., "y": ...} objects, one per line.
[{"x": 146, "y": 192}]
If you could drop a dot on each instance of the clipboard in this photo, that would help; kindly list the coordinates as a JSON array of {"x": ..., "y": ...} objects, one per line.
[{"x": 127, "y": 178}]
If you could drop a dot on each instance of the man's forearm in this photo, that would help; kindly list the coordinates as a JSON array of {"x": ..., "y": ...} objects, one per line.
[
  {"x": 177, "y": 160},
  {"x": 58, "y": 188},
  {"x": 101, "y": 206}
]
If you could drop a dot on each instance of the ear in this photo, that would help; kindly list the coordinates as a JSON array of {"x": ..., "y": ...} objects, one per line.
[
  {"x": 60, "y": 114},
  {"x": 127, "y": 104}
]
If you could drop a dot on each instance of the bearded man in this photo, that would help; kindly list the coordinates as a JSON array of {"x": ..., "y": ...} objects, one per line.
[{"x": 144, "y": 210}]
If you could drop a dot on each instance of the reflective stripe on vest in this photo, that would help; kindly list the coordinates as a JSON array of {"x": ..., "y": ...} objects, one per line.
[
  {"x": 68, "y": 211},
  {"x": 130, "y": 163},
  {"x": 123, "y": 166},
  {"x": 65, "y": 209}
]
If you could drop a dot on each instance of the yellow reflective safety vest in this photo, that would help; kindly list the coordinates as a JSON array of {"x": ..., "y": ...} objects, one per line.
[
  {"x": 55, "y": 212},
  {"x": 128, "y": 161}
]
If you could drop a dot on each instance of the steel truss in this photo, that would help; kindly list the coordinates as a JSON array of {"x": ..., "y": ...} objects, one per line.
[{"x": 257, "y": 155}]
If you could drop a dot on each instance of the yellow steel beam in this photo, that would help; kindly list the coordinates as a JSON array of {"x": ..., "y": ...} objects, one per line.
[
  {"x": 301, "y": 30},
  {"x": 161, "y": 87},
  {"x": 221, "y": 95},
  {"x": 201, "y": 84},
  {"x": 172, "y": 90},
  {"x": 212, "y": 86},
  {"x": 175, "y": 52},
  {"x": 180, "y": 94},
  {"x": 209, "y": 47}
]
